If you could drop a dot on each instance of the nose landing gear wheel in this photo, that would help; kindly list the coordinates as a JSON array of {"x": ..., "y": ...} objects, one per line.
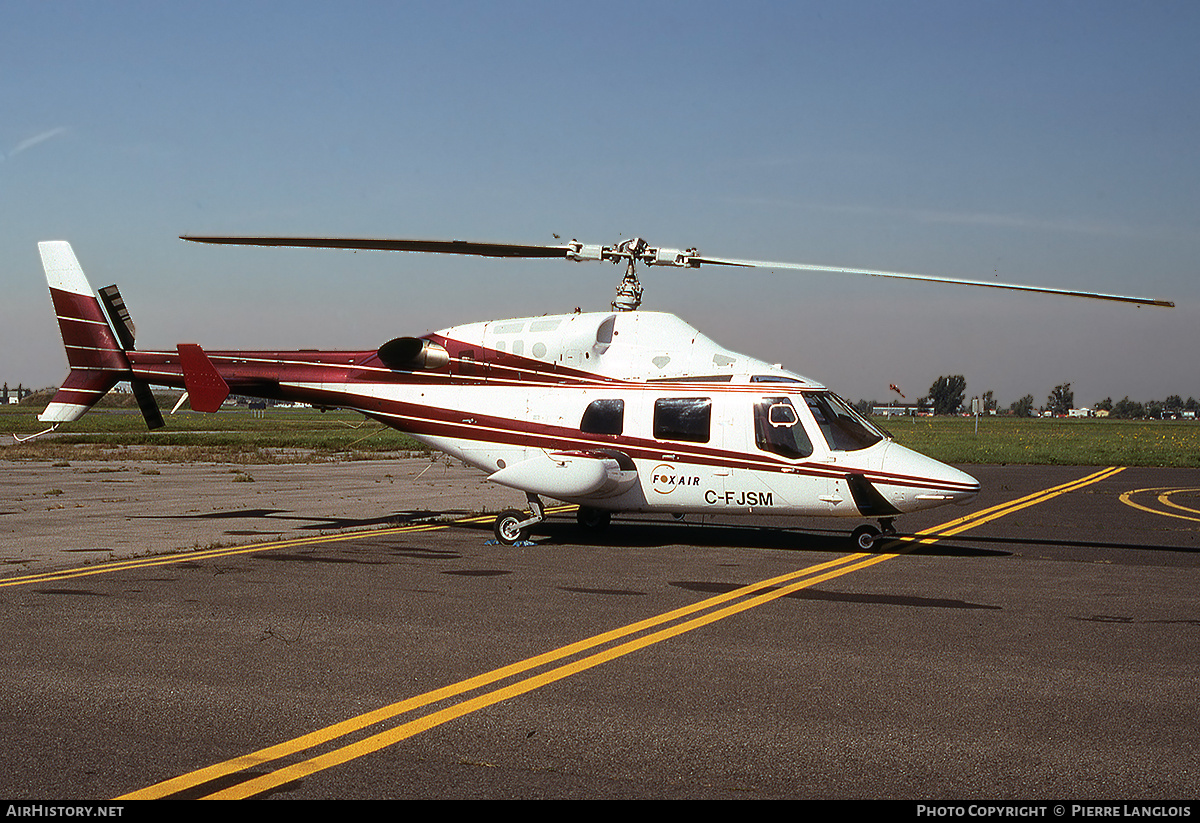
[{"x": 864, "y": 537}]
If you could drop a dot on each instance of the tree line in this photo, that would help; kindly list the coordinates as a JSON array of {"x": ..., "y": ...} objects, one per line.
[{"x": 947, "y": 394}]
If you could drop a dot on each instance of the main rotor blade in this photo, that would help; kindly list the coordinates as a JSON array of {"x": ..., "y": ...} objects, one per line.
[
  {"x": 763, "y": 264},
  {"x": 439, "y": 246},
  {"x": 577, "y": 251}
]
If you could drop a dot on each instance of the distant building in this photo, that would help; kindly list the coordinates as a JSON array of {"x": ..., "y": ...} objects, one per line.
[
  {"x": 897, "y": 410},
  {"x": 11, "y": 397}
]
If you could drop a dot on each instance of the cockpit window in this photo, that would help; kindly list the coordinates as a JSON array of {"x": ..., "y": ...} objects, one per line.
[
  {"x": 843, "y": 428},
  {"x": 777, "y": 428}
]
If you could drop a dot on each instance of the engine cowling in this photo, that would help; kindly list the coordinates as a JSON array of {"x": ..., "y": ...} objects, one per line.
[{"x": 413, "y": 354}]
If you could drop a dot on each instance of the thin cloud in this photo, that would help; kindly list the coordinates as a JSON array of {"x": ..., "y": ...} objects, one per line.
[{"x": 33, "y": 141}]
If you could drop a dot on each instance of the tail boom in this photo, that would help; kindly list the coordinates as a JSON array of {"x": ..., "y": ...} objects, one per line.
[{"x": 99, "y": 340}]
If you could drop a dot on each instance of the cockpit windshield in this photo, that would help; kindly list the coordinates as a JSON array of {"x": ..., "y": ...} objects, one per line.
[{"x": 844, "y": 429}]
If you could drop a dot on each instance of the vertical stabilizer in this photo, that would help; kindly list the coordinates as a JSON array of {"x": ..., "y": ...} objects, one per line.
[{"x": 94, "y": 354}]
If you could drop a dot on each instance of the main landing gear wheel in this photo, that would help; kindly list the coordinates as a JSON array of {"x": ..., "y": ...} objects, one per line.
[
  {"x": 513, "y": 526},
  {"x": 508, "y": 527},
  {"x": 864, "y": 537},
  {"x": 593, "y": 520}
]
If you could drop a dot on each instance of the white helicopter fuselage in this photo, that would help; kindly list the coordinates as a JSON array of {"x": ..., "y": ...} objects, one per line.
[{"x": 638, "y": 411}]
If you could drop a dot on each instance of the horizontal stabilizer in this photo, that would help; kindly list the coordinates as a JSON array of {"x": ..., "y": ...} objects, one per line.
[{"x": 206, "y": 388}]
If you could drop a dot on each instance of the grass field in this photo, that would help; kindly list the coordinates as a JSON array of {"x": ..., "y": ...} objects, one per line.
[
  {"x": 282, "y": 435},
  {"x": 235, "y": 435},
  {"x": 1041, "y": 441}
]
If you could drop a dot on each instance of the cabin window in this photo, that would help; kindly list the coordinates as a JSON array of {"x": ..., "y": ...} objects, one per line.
[
  {"x": 603, "y": 417},
  {"x": 683, "y": 418},
  {"x": 777, "y": 428},
  {"x": 843, "y": 428}
]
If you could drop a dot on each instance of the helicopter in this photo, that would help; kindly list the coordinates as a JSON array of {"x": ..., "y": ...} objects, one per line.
[{"x": 615, "y": 411}]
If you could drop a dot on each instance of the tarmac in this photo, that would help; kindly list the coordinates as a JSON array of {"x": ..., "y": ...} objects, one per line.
[
  {"x": 66, "y": 514},
  {"x": 1040, "y": 643}
]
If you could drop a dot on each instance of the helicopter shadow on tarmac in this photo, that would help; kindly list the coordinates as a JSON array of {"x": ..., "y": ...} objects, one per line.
[
  {"x": 312, "y": 522},
  {"x": 635, "y": 533},
  {"x": 649, "y": 534}
]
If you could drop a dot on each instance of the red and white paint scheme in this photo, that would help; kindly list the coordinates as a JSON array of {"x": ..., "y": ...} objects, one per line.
[{"x": 621, "y": 411}]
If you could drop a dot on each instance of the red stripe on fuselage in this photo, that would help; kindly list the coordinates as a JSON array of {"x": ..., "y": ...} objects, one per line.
[
  {"x": 273, "y": 375},
  {"x": 438, "y": 422}
]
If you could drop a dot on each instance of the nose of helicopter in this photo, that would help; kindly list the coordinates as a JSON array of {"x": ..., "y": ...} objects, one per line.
[{"x": 920, "y": 482}]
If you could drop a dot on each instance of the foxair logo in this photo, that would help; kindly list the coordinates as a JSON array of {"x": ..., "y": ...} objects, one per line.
[{"x": 665, "y": 479}]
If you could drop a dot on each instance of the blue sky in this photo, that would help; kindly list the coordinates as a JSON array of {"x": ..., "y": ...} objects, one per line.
[{"x": 1053, "y": 144}]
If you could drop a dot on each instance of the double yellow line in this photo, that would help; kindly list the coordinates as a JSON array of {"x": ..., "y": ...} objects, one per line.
[
  {"x": 230, "y": 551},
  {"x": 207, "y": 554},
  {"x": 323, "y": 749},
  {"x": 978, "y": 518},
  {"x": 713, "y": 609}
]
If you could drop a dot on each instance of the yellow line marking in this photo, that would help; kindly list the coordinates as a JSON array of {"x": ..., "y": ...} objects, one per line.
[
  {"x": 230, "y": 551},
  {"x": 1126, "y": 498},
  {"x": 387, "y": 712},
  {"x": 978, "y": 518},
  {"x": 402, "y": 732},
  {"x": 203, "y": 554},
  {"x": 1163, "y": 498},
  {"x": 748, "y": 600}
]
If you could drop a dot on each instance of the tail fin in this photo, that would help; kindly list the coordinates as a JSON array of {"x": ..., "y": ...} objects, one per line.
[{"x": 96, "y": 357}]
